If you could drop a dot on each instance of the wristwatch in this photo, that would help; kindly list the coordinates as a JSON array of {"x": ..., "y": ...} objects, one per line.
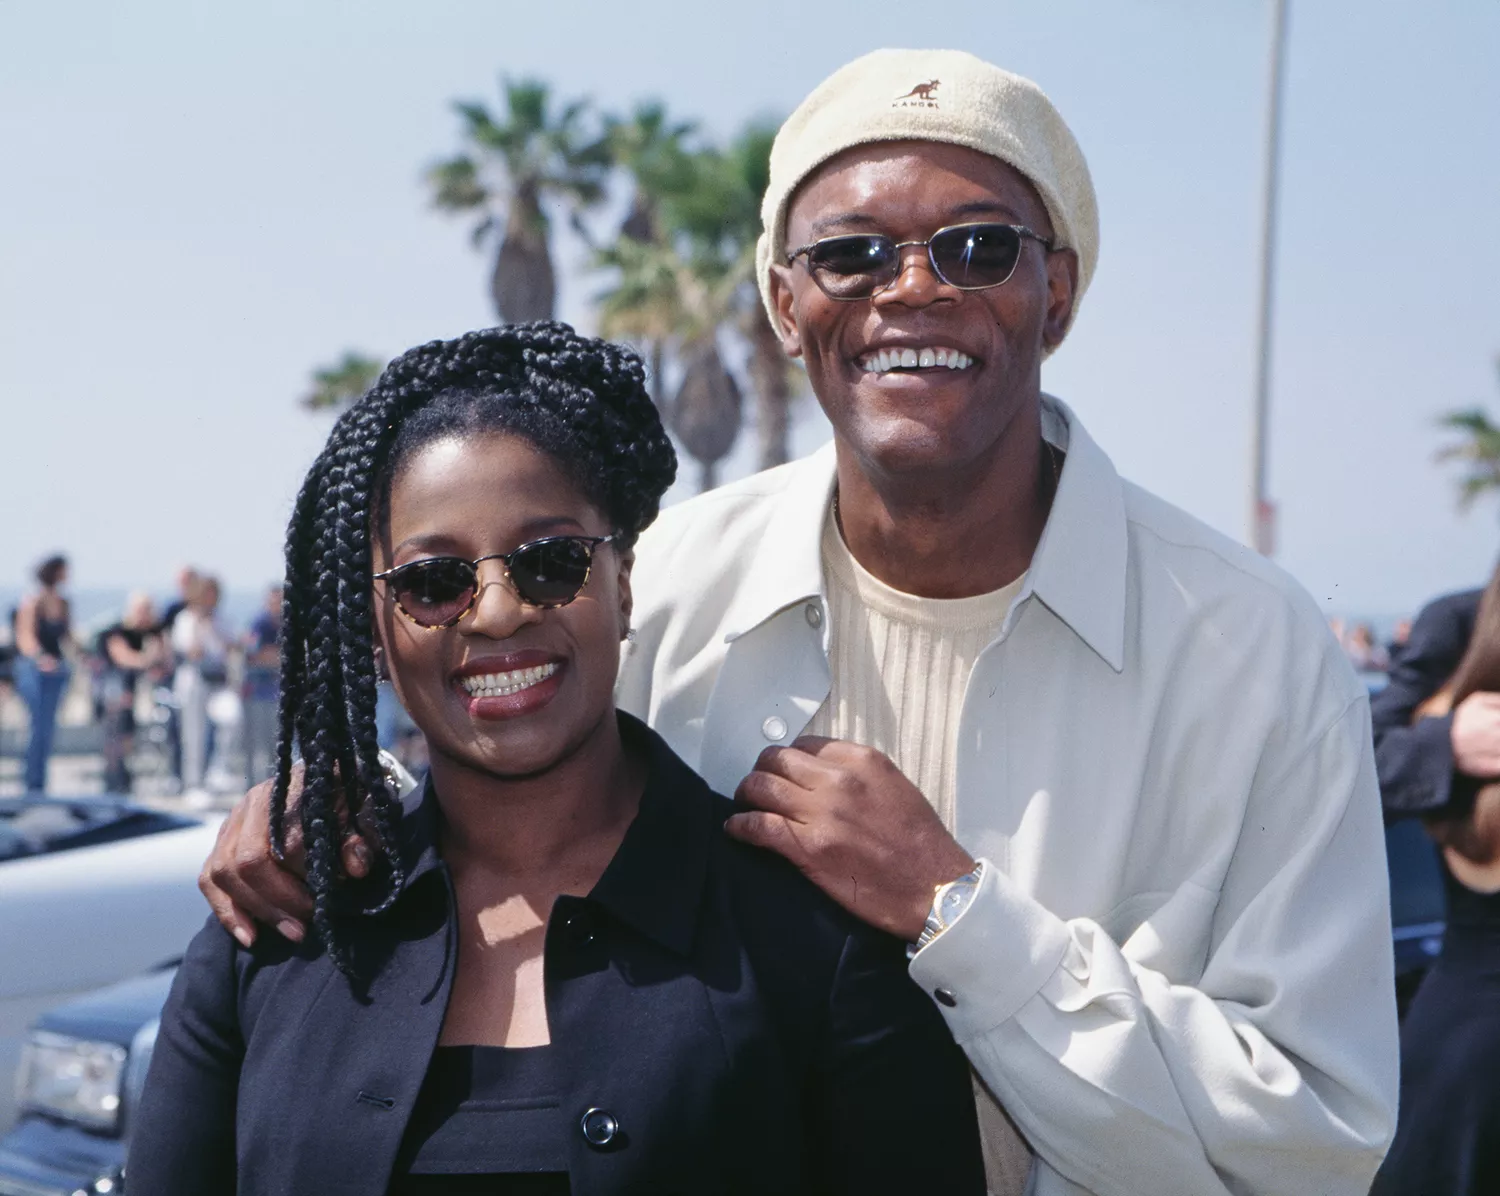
[{"x": 948, "y": 903}]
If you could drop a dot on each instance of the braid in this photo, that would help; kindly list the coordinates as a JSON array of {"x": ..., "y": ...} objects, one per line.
[{"x": 582, "y": 401}]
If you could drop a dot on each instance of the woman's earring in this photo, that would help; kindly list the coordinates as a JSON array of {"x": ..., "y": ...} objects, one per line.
[
  {"x": 629, "y": 635},
  {"x": 381, "y": 670}
]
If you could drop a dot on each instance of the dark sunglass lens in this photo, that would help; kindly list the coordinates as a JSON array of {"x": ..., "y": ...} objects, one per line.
[
  {"x": 435, "y": 591},
  {"x": 551, "y": 572},
  {"x": 853, "y": 265},
  {"x": 976, "y": 255}
]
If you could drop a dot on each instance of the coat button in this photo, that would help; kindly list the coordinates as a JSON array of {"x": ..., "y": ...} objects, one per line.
[
  {"x": 599, "y": 1128},
  {"x": 814, "y": 614},
  {"x": 944, "y": 997},
  {"x": 774, "y": 728}
]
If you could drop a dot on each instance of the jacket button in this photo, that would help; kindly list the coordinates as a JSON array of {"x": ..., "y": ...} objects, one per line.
[
  {"x": 599, "y": 1128},
  {"x": 774, "y": 728},
  {"x": 814, "y": 614},
  {"x": 944, "y": 997}
]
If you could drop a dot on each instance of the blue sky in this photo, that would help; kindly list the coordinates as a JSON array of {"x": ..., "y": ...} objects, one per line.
[{"x": 199, "y": 203}]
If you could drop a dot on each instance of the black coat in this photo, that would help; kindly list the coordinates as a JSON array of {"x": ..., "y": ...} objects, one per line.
[
  {"x": 746, "y": 1034},
  {"x": 1415, "y": 761}
]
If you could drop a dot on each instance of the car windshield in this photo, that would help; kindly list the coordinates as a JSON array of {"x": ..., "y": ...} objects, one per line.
[{"x": 31, "y": 826}]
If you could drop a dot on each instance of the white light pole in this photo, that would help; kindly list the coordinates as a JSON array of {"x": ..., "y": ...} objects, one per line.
[{"x": 1262, "y": 512}]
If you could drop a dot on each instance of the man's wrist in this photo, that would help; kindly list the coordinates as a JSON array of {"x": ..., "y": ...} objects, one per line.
[{"x": 949, "y": 902}]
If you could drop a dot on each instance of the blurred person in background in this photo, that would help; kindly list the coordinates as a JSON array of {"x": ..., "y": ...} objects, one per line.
[
  {"x": 43, "y": 636},
  {"x": 1365, "y": 654},
  {"x": 132, "y": 647},
  {"x": 1437, "y": 735},
  {"x": 202, "y": 651},
  {"x": 260, "y": 688},
  {"x": 187, "y": 581}
]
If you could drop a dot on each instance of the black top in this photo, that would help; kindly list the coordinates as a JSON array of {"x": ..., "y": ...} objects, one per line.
[
  {"x": 135, "y": 639},
  {"x": 488, "y": 1119},
  {"x": 1414, "y": 761},
  {"x": 50, "y": 633},
  {"x": 719, "y": 1026}
]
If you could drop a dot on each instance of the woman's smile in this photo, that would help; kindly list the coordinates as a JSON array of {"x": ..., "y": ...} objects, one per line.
[{"x": 509, "y": 685}]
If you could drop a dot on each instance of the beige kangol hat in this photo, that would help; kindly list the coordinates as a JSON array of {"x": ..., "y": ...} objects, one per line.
[{"x": 934, "y": 95}]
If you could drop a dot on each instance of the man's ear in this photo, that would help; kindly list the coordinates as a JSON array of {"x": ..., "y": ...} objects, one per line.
[
  {"x": 1062, "y": 286},
  {"x": 786, "y": 320}
]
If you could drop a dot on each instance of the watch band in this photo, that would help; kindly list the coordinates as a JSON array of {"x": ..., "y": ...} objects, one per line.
[{"x": 949, "y": 901}]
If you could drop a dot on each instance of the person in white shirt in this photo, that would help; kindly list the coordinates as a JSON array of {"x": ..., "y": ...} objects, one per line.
[{"x": 1106, "y": 770}]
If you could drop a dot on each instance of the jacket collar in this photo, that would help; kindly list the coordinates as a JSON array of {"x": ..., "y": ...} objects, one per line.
[
  {"x": 655, "y": 882},
  {"x": 1078, "y": 571}
]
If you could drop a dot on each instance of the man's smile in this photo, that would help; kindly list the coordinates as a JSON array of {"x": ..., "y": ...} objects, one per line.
[{"x": 927, "y": 357}]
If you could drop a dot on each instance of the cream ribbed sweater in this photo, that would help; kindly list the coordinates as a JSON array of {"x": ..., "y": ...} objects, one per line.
[{"x": 900, "y": 664}]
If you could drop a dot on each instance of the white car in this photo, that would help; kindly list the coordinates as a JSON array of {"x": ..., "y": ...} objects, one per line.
[{"x": 91, "y": 891}]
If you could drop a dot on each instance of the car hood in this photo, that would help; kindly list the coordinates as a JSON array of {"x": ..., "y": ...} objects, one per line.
[{"x": 114, "y": 1013}]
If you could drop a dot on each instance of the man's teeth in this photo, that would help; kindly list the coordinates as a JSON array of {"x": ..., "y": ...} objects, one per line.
[
  {"x": 497, "y": 685},
  {"x": 884, "y": 360}
]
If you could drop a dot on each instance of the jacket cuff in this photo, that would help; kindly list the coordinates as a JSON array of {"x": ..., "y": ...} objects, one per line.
[
  {"x": 1432, "y": 788},
  {"x": 993, "y": 959}
]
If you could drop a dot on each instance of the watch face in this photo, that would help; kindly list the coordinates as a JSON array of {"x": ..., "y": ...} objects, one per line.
[{"x": 954, "y": 902}]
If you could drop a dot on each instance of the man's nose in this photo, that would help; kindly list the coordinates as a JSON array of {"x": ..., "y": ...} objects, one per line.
[
  {"x": 498, "y": 611},
  {"x": 916, "y": 283}
]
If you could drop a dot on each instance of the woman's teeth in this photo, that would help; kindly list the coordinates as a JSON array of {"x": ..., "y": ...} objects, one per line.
[
  {"x": 884, "y": 360},
  {"x": 497, "y": 685}
]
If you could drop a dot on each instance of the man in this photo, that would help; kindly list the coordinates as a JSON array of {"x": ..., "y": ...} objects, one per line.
[{"x": 1104, "y": 769}]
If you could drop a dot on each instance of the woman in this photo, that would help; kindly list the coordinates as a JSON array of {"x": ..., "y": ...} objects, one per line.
[
  {"x": 43, "y": 635},
  {"x": 131, "y": 647},
  {"x": 202, "y": 651},
  {"x": 566, "y": 977},
  {"x": 1448, "y": 1133}
]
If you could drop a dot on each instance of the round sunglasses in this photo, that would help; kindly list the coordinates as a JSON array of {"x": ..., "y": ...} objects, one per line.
[
  {"x": 438, "y": 591},
  {"x": 971, "y": 257}
]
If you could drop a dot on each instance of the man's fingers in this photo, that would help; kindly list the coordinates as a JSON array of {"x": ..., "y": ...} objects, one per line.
[
  {"x": 241, "y": 925},
  {"x": 268, "y": 895},
  {"x": 771, "y": 831},
  {"x": 770, "y": 791},
  {"x": 356, "y": 854}
]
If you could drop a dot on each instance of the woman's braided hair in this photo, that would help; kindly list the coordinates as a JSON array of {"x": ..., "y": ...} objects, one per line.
[{"x": 581, "y": 401}]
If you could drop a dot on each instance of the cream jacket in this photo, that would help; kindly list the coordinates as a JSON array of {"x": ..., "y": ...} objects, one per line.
[{"x": 1176, "y": 975}]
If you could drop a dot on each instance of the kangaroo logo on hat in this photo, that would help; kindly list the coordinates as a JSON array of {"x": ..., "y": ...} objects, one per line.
[{"x": 919, "y": 96}]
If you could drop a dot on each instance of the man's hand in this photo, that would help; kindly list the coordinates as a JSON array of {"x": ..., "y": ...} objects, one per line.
[
  {"x": 245, "y": 883},
  {"x": 855, "y": 826},
  {"x": 1476, "y": 735}
]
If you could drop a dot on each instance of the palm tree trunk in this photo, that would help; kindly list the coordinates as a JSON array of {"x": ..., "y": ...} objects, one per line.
[
  {"x": 524, "y": 284},
  {"x": 658, "y": 388},
  {"x": 773, "y": 394},
  {"x": 708, "y": 476}
]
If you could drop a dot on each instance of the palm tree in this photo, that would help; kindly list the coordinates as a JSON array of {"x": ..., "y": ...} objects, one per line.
[
  {"x": 342, "y": 383},
  {"x": 652, "y": 149},
  {"x": 684, "y": 270},
  {"x": 772, "y": 373},
  {"x": 1478, "y": 448},
  {"x": 719, "y": 216},
  {"x": 512, "y": 165}
]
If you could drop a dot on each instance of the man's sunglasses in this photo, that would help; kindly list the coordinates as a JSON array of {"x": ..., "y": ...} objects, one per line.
[
  {"x": 971, "y": 257},
  {"x": 438, "y": 591}
]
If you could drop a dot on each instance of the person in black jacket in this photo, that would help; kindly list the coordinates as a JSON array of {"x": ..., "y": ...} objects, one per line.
[
  {"x": 560, "y": 975},
  {"x": 1416, "y": 758},
  {"x": 1437, "y": 730}
]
